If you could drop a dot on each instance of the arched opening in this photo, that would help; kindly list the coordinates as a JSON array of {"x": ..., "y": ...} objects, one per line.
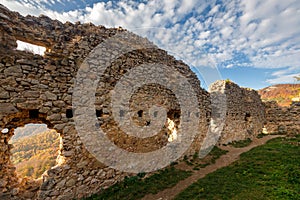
[
  {"x": 173, "y": 121},
  {"x": 172, "y": 130},
  {"x": 35, "y": 150}
]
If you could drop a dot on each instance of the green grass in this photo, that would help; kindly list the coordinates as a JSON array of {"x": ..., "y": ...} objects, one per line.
[
  {"x": 261, "y": 135},
  {"x": 198, "y": 163},
  {"x": 241, "y": 143},
  {"x": 217, "y": 153},
  {"x": 137, "y": 187},
  {"x": 270, "y": 171}
]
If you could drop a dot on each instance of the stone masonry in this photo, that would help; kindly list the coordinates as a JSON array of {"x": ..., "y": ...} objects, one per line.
[
  {"x": 282, "y": 120},
  {"x": 245, "y": 113},
  {"x": 39, "y": 89}
]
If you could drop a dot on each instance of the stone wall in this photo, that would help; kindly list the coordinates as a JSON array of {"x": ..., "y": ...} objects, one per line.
[
  {"x": 38, "y": 89},
  {"x": 245, "y": 115},
  {"x": 282, "y": 120}
]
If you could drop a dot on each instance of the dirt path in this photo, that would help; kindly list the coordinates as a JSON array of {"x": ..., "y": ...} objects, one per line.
[{"x": 225, "y": 160}]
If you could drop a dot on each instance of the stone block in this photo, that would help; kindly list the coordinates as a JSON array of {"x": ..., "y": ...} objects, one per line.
[
  {"x": 30, "y": 105},
  {"x": 51, "y": 96}
]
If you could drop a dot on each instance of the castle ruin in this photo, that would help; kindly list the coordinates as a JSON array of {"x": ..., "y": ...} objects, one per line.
[{"x": 39, "y": 89}]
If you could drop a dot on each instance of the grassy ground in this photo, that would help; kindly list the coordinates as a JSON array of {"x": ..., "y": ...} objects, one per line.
[
  {"x": 261, "y": 135},
  {"x": 241, "y": 143},
  {"x": 137, "y": 187},
  {"x": 271, "y": 171},
  {"x": 198, "y": 163}
]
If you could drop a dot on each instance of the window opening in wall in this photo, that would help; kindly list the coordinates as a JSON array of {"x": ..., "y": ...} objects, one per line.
[
  {"x": 122, "y": 113},
  {"x": 140, "y": 113},
  {"x": 34, "y": 114},
  {"x": 247, "y": 117},
  {"x": 176, "y": 114},
  {"x": 35, "y": 149},
  {"x": 32, "y": 48},
  {"x": 172, "y": 135},
  {"x": 69, "y": 113},
  {"x": 99, "y": 113}
]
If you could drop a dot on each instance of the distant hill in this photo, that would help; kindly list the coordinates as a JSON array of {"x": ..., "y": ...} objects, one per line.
[
  {"x": 32, "y": 155},
  {"x": 28, "y": 130},
  {"x": 281, "y": 93}
]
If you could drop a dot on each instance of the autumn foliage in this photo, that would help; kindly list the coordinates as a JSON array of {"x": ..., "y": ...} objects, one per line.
[
  {"x": 33, "y": 155},
  {"x": 282, "y": 93}
]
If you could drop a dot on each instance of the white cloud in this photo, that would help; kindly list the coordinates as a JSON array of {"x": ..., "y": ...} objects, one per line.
[
  {"x": 287, "y": 78},
  {"x": 214, "y": 10},
  {"x": 204, "y": 35},
  {"x": 285, "y": 75},
  {"x": 23, "y": 8},
  {"x": 265, "y": 31},
  {"x": 226, "y": 32},
  {"x": 186, "y": 6}
]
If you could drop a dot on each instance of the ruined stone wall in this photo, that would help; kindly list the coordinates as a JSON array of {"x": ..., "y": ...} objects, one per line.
[
  {"x": 245, "y": 115},
  {"x": 282, "y": 120},
  {"x": 38, "y": 89}
]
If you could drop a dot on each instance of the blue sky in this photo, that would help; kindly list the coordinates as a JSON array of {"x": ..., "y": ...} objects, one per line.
[{"x": 255, "y": 43}]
